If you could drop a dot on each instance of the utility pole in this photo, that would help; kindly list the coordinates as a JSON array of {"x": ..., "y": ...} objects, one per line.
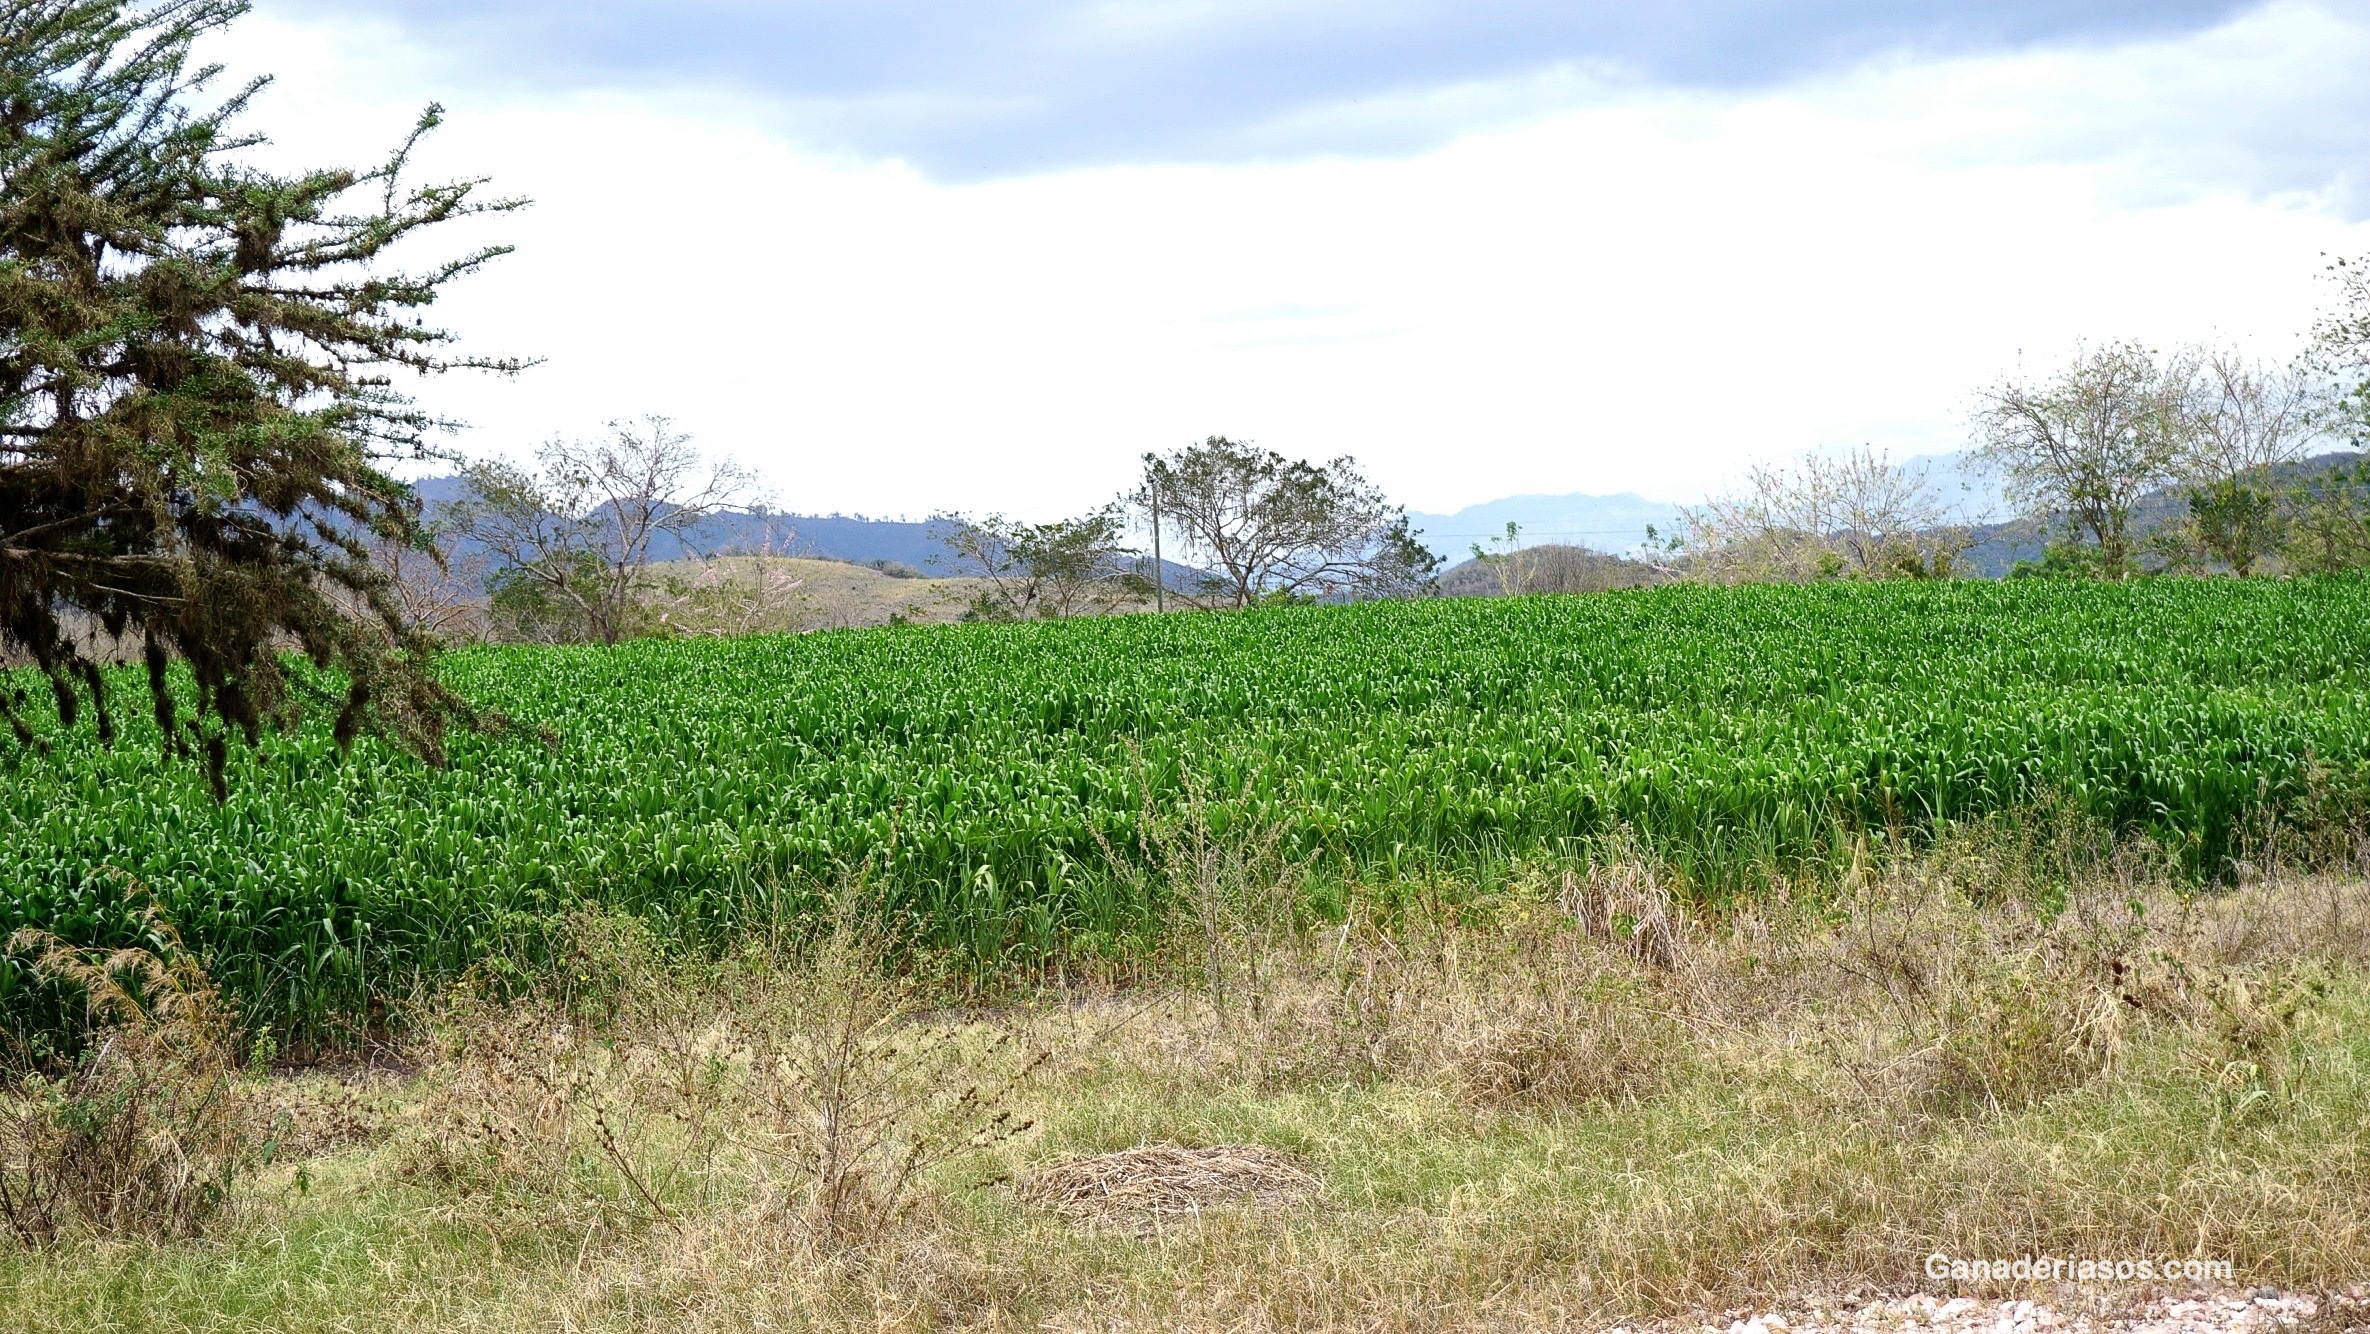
[{"x": 1160, "y": 582}]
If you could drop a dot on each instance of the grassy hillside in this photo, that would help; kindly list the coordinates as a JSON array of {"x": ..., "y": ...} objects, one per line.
[
  {"x": 994, "y": 780},
  {"x": 830, "y": 594}
]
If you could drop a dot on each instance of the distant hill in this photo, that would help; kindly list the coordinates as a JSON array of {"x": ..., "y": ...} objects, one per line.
[
  {"x": 903, "y": 546},
  {"x": 1550, "y": 568},
  {"x": 1614, "y": 524},
  {"x": 841, "y": 537},
  {"x": 833, "y": 594},
  {"x": 1974, "y": 493}
]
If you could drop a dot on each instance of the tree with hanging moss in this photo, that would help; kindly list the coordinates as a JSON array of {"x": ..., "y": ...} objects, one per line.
[{"x": 200, "y": 371}]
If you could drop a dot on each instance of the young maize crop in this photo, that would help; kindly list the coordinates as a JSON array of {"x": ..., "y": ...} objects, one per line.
[{"x": 987, "y": 777}]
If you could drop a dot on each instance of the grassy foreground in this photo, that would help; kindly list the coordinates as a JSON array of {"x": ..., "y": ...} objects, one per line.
[{"x": 1574, "y": 1104}]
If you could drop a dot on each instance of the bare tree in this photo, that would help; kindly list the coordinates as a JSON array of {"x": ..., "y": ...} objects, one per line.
[
  {"x": 2325, "y": 517},
  {"x": 437, "y": 592},
  {"x": 2245, "y": 420},
  {"x": 573, "y": 539},
  {"x": 1027, "y": 571},
  {"x": 1856, "y": 515},
  {"x": 1266, "y": 526},
  {"x": 2111, "y": 427},
  {"x": 2247, "y": 417},
  {"x": 2341, "y": 351}
]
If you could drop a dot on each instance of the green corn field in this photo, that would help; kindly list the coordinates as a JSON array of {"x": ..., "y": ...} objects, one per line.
[{"x": 989, "y": 780}]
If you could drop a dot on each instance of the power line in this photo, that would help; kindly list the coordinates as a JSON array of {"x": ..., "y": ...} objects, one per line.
[{"x": 1552, "y": 532}]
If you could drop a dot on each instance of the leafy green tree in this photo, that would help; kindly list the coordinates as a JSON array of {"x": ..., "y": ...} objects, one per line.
[
  {"x": 1028, "y": 571},
  {"x": 197, "y": 407},
  {"x": 2237, "y": 521},
  {"x": 2060, "y": 560},
  {"x": 2327, "y": 522},
  {"x": 1264, "y": 525}
]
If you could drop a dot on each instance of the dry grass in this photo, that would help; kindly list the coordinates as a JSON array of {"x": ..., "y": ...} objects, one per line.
[
  {"x": 1140, "y": 1190},
  {"x": 1578, "y": 1103},
  {"x": 147, "y": 1129},
  {"x": 829, "y": 594},
  {"x": 814, "y": 595},
  {"x": 634, "y": 1089}
]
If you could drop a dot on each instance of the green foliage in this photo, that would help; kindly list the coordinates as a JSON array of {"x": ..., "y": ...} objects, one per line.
[
  {"x": 194, "y": 403},
  {"x": 2236, "y": 522},
  {"x": 525, "y": 602},
  {"x": 2328, "y": 520},
  {"x": 2070, "y": 558},
  {"x": 1032, "y": 571},
  {"x": 987, "y": 774}
]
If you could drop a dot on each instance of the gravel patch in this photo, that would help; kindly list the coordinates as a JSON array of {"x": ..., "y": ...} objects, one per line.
[{"x": 2198, "y": 1311}]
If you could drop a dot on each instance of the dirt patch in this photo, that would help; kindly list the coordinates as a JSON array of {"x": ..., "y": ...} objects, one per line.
[{"x": 1140, "y": 1189}]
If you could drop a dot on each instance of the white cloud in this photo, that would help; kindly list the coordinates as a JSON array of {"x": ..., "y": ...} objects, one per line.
[{"x": 1636, "y": 296}]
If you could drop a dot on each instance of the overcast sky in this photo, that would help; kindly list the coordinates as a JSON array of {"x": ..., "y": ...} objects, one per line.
[{"x": 905, "y": 255}]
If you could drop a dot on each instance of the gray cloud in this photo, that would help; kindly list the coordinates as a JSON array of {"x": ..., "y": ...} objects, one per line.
[
  {"x": 2273, "y": 105},
  {"x": 967, "y": 89}
]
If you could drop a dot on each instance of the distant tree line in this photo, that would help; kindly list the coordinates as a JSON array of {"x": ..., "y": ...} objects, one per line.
[
  {"x": 200, "y": 443},
  {"x": 2221, "y": 433},
  {"x": 2259, "y": 462},
  {"x": 564, "y": 550}
]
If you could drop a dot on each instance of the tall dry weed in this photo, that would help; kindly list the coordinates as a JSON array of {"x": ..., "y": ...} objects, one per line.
[
  {"x": 534, "y": 1102},
  {"x": 1242, "y": 896},
  {"x": 149, "y": 1128},
  {"x": 1519, "y": 1015},
  {"x": 846, "y": 1092},
  {"x": 807, "y": 1083}
]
